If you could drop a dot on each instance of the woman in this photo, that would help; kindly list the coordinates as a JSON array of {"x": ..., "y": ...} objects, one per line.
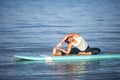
[{"x": 76, "y": 41}]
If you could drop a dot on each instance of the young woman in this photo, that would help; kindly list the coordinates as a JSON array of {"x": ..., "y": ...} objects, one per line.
[{"x": 79, "y": 45}]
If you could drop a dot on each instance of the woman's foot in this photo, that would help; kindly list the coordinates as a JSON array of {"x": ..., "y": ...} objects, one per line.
[
  {"x": 55, "y": 53},
  {"x": 85, "y": 53}
]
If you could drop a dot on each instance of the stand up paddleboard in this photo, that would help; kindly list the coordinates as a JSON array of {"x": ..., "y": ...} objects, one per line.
[{"x": 68, "y": 58}]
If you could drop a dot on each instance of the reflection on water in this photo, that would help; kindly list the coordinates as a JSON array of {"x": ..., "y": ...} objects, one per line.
[
  {"x": 79, "y": 68},
  {"x": 76, "y": 68},
  {"x": 96, "y": 69}
]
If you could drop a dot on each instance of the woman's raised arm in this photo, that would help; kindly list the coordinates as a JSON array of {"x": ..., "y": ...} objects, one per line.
[{"x": 63, "y": 40}]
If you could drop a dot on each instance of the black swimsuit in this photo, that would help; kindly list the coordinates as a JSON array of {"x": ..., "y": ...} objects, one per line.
[{"x": 88, "y": 49}]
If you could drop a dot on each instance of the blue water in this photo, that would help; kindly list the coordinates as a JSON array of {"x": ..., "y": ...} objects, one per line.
[{"x": 34, "y": 27}]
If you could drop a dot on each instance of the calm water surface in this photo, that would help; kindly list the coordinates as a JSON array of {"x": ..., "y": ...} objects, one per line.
[{"x": 34, "y": 27}]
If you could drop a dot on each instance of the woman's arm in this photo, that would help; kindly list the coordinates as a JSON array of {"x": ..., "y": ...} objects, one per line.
[
  {"x": 68, "y": 49},
  {"x": 68, "y": 35},
  {"x": 63, "y": 40}
]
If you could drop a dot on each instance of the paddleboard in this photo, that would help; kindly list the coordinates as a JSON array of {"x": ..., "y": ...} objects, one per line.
[{"x": 68, "y": 58}]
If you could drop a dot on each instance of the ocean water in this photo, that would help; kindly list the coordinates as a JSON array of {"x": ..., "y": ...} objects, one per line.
[{"x": 34, "y": 27}]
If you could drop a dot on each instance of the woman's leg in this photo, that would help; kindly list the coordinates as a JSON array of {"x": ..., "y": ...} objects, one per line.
[
  {"x": 85, "y": 53},
  {"x": 92, "y": 51},
  {"x": 74, "y": 51},
  {"x": 78, "y": 52},
  {"x": 55, "y": 53},
  {"x": 95, "y": 51}
]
